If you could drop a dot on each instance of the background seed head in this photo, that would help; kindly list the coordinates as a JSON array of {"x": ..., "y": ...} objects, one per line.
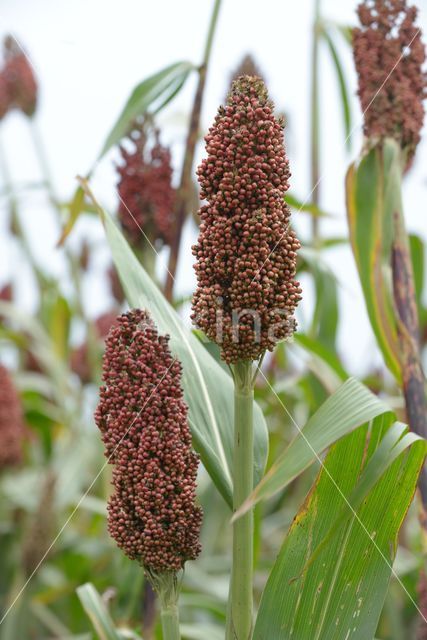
[
  {"x": 12, "y": 430},
  {"x": 145, "y": 187},
  {"x": 389, "y": 57}
]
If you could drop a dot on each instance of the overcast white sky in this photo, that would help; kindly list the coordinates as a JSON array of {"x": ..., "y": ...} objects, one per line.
[{"x": 89, "y": 54}]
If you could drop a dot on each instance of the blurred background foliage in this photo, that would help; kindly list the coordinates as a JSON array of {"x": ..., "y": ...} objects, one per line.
[{"x": 53, "y": 536}]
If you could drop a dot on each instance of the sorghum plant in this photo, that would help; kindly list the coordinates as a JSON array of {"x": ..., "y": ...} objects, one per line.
[
  {"x": 389, "y": 56},
  {"x": 152, "y": 514},
  {"x": 145, "y": 190},
  {"x": 246, "y": 289}
]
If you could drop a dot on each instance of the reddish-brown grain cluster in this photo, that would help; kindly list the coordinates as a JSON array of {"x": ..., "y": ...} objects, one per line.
[
  {"x": 143, "y": 419},
  {"x": 389, "y": 57},
  {"x": 18, "y": 85},
  {"x": 145, "y": 189},
  {"x": 246, "y": 250},
  {"x": 12, "y": 430}
]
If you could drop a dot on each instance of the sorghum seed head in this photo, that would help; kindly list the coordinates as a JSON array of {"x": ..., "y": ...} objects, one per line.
[
  {"x": 246, "y": 251},
  {"x": 389, "y": 57},
  {"x": 19, "y": 77},
  {"x": 142, "y": 416},
  {"x": 12, "y": 430},
  {"x": 145, "y": 188}
]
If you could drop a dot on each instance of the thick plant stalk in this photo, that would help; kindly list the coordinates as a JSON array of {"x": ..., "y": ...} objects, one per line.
[
  {"x": 184, "y": 191},
  {"x": 240, "y": 612},
  {"x": 408, "y": 329},
  {"x": 166, "y": 585}
]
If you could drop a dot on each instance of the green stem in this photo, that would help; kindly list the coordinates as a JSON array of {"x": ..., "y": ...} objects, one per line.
[
  {"x": 240, "y": 611},
  {"x": 170, "y": 622},
  {"x": 185, "y": 188},
  {"x": 16, "y": 221},
  {"x": 314, "y": 138},
  {"x": 167, "y": 588}
]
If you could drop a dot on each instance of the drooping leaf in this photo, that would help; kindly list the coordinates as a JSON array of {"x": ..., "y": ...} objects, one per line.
[
  {"x": 208, "y": 389},
  {"x": 153, "y": 93},
  {"x": 97, "y": 612},
  {"x": 372, "y": 197},
  {"x": 357, "y": 505},
  {"x": 345, "y": 410}
]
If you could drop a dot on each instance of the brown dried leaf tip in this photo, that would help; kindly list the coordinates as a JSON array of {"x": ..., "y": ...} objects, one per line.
[
  {"x": 246, "y": 251},
  {"x": 142, "y": 416},
  {"x": 247, "y": 67},
  {"x": 145, "y": 187},
  {"x": 12, "y": 430},
  {"x": 389, "y": 57}
]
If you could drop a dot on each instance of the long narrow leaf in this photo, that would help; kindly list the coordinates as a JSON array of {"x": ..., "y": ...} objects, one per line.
[
  {"x": 345, "y": 410},
  {"x": 96, "y": 610},
  {"x": 154, "y": 92},
  {"x": 342, "y": 84},
  {"x": 371, "y": 202},
  {"x": 339, "y": 595}
]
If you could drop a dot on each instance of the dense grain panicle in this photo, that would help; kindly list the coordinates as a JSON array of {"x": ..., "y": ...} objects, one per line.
[
  {"x": 142, "y": 416},
  {"x": 389, "y": 57},
  {"x": 19, "y": 78},
  {"x": 145, "y": 188},
  {"x": 12, "y": 430},
  {"x": 246, "y": 251}
]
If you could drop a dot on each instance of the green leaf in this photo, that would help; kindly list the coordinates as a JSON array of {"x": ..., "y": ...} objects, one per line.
[
  {"x": 307, "y": 207},
  {"x": 342, "y": 83},
  {"x": 324, "y": 363},
  {"x": 97, "y": 612},
  {"x": 153, "y": 93},
  {"x": 373, "y": 189},
  {"x": 338, "y": 591},
  {"x": 208, "y": 389},
  {"x": 345, "y": 410}
]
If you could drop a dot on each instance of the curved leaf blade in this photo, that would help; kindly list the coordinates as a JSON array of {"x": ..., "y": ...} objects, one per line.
[
  {"x": 341, "y": 592},
  {"x": 371, "y": 201},
  {"x": 154, "y": 92},
  {"x": 342, "y": 84},
  {"x": 348, "y": 408}
]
